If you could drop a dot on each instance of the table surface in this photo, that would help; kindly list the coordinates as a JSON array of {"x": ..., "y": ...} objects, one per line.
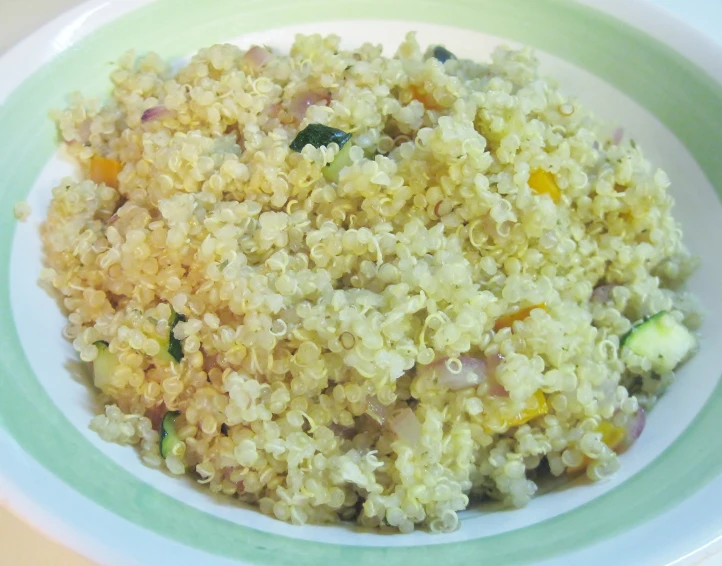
[{"x": 20, "y": 544}]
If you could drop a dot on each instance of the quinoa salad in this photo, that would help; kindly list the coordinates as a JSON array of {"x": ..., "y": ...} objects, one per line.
[{"x": 341, "y": 286}]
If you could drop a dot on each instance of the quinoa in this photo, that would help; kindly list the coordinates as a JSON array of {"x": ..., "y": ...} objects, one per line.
[
  {"x": 22, "y": 211},
  {"x": 487, "y": 228}
]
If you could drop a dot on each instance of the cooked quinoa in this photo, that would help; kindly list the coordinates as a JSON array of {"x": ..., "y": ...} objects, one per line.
[
  {"x": 440, "y": 322},
  {"x": 21, "y": 211}
]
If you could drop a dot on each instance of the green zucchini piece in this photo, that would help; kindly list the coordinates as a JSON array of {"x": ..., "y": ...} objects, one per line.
[
  {"x": 319, "y": 135},
  {"x": 662, "y": 340},
  {"x": 171, "y": 349},
  {"x": 342, "y": 159},
  {"x": 104, "y": 365},
  {"x": 168, "y": 435}
]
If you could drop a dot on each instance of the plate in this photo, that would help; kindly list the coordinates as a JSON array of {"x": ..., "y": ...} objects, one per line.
[{"x": 628, "y": 61}]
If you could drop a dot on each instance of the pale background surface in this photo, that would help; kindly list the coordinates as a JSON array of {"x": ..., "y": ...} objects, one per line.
[{"x": 21, "y": 545}]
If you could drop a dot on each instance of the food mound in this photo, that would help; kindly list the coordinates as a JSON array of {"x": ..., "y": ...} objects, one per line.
[{"x": 343, "y": 286}]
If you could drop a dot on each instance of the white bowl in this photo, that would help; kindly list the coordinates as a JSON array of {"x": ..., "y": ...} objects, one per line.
[{"x": 627, "y": 61}]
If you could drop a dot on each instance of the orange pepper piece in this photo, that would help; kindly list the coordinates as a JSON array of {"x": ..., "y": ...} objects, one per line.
[
  {"x": 543, "y": 182},
  {"x": 508, "y": 319},
  {"x": 105, "y": 170},
  {"x": 429, "y": 102},
  {"x": 612, "y": 436}
]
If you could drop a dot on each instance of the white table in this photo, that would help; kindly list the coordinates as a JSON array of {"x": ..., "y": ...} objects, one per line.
[{"x": 21, "y": 545}]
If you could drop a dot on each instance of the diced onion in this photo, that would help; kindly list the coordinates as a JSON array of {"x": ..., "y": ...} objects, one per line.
[
  {"x": 471, "y": 372},
  {"x": 635, "y": 427},
  {"x": 341, "y": 431},
  {"x": 155, "y": 414},
  {"x": 156, "y": 113},
  {"x": 602, "y": 293},
  {"x": 257, "y": 56},
  {"x": 464, "y": 372},
  {"x": 406, "y": 426},
  {"x": 376, "y": 410},
  {"x": 300, "y": 103}
]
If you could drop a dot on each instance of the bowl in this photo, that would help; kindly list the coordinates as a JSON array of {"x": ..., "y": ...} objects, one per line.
[{"x": 631, "y": 63}]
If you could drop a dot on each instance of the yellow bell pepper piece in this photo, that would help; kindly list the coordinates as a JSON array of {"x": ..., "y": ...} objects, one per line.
[
  {"x": 508, "y": 319},
  {"x": 537, "y": 406},
  {"x": 543, "y": 182},
  {"x": 501, "y": 414},
  {"x": 612, "y": 435}
]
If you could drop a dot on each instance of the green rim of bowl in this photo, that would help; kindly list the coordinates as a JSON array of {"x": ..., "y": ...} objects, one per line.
[{"x": 654, "y": 75}]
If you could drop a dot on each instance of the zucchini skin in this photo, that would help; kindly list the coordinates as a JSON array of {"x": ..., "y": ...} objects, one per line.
[
  {"x": 168, "y": 436},
  {"x": 662, "y": 340},
  {"x": 442, "y": 54},
  {"x": 104, "y": 365},
  {"x": 319, "y": 135},
  {"x": 171, "y": 349},
  {"x": 175, "y": 348},
  {"x": 638, "y": 326}
]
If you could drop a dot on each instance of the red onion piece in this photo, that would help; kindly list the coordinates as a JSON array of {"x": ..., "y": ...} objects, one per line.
[
  {"x": 341, "y": 431},
  {"x": 376, "y": 410},
  {"x": 617, "y": 135},
  {"x": 406, "y": 426},
  {"x": 257, "y": 57},
  {"x": 300, "y": 103},
  {"x": 473, "y": 372},
  {"x": 155, "y": 414},
  {"x": 275, "y": 109},
  {"x": 156, "y": 113},
  {"x": 602, "y": 293},
  {"x": 210, "y": 362},
  {"x": 467, "y": 372},
  {"x": 635, "y": 427}
]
